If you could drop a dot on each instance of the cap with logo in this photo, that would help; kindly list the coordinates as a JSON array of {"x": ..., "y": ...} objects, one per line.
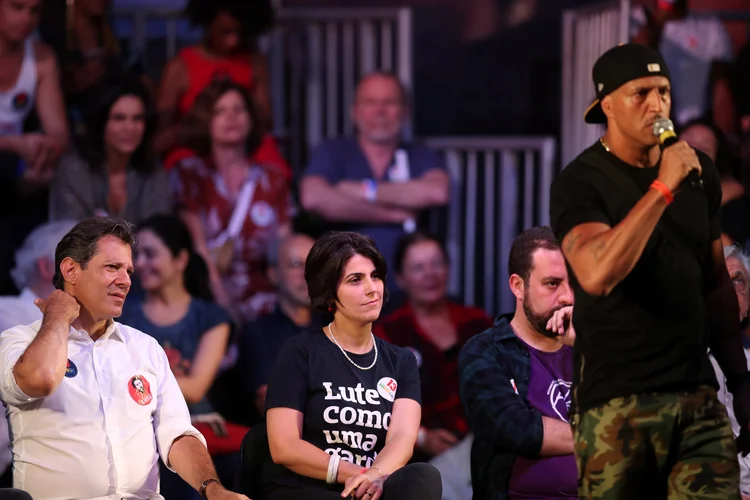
[{"x": 618, "y": 66}]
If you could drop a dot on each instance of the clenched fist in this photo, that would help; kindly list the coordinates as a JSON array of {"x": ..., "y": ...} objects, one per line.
[{"x": 60, "y": 306}]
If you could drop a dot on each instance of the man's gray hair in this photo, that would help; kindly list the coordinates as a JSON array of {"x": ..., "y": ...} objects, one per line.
[
  {"x": 39, "y": 244},
  {"x": 735, "y": 252}
]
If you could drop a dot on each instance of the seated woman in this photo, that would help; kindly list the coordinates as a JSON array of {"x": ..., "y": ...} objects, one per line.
[
  {"x": 227, "y": 52},
  {"x": 342, "y": 405},
  {"x": 435, "y": 329},
  {"x": 232, "y": 205},
  {"x": 115, "y": 172},
  {"x": 179, "y": 313}
]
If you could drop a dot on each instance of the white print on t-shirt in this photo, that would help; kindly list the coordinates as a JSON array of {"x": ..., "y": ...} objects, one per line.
[
  {"x": 359, "y": 417},
  {"x": 387, "y": 388},
  {"x": 559, "y": 397}
]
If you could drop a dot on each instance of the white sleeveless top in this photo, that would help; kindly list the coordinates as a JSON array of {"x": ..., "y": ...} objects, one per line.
[{"x": 17, "y": 103}]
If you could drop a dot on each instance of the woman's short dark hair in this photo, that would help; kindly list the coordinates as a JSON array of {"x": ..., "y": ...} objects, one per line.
[
  {"x": 80, "y": 242},
  {"x": 195, "y": 128},
  {"x": 409, "y": 239},
  {"x": 176, "y": 237},
  {"x": 520, "y": 260},
  {"x": 327, "y": 261},
  {"x": 107, "y": 94},
  {"x": 256, "y": 16}
]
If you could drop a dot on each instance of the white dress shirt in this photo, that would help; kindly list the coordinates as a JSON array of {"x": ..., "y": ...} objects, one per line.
[
  {"x": 96, "y": 436},
  {"x": 726, "y": 398},
  {"x": 14, "y": 310}
]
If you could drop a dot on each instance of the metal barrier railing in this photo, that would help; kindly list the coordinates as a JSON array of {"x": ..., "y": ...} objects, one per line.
[
  {"x": 500, "y": 186},
  {"x": 587, "y": 33}
]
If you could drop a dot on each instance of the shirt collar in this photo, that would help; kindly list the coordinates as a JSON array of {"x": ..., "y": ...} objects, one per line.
[
  {"x": 502, "y": 331},
  {"x": 113, "y": 331}
]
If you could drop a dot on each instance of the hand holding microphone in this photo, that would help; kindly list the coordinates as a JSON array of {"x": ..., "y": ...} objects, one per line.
[{"x": 678, "y": 160}]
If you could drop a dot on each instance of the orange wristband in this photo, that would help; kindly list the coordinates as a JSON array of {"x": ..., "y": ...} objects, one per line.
[{"x": 664, "y": 190}]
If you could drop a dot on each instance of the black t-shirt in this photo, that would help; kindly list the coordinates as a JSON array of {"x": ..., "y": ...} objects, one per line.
[
  {"x": 347, "y": 410},
  {"x": 650, "y": 333}
]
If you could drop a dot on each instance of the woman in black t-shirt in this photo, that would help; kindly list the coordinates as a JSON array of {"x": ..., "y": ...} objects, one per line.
[{"x": 343, "y": 408}]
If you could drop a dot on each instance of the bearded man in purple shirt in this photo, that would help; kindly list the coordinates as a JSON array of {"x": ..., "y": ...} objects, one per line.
[{"x": 516, "y": 382}]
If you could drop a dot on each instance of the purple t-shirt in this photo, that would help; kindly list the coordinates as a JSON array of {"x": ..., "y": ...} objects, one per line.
[{"x": 547, "y": 478}]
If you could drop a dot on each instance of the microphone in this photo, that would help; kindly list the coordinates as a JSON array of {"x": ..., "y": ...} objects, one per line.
[{"x": 663, "y": 128}]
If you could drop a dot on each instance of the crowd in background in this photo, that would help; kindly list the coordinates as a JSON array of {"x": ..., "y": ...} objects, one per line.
[{"x": 223, "y": 227}]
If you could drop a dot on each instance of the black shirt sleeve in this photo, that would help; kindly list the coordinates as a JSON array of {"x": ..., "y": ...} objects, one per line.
[
  {"x": 288, "y": 383},
  {"x": 573, "y": 202},
  {"x": 409, "y": 385}
]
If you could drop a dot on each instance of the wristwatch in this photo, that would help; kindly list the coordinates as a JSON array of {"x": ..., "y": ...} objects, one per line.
[{"x": 205, "y": 484}]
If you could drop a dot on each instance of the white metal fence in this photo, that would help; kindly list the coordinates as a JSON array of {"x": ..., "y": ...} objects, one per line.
[
  {"x": 326, "y": 51},
  {"x": 500, "y": 186},
  {"x": 587, "y": 33}
]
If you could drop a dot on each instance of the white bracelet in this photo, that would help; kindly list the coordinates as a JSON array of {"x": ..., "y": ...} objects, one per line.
[
  {"x": 333, "y": 469},
  {"x": 330, "y": 469},
  {"x": 336, "y": 469},
  {"x": 335, "y": 476}
]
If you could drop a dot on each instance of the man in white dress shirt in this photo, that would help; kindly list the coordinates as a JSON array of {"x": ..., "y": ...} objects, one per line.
[{"x": 92, "y": 403}]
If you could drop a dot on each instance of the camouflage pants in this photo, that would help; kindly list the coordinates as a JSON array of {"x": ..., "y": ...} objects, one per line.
[{"x": 657, "y": 446}]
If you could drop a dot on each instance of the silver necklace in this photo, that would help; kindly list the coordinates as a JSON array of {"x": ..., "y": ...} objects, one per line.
[
  {"x": 374, "y": 345},
  {"x": 601, "y": 139}
]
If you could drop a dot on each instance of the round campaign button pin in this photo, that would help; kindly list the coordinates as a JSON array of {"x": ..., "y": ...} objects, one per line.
[
  {"x": 387, "y": 388},
  {"x": 20, "y": 101},
  {"x": 262, "y": 214},
  {"x": 140, "y": 390},
  {"x": 71, "y": 370}
]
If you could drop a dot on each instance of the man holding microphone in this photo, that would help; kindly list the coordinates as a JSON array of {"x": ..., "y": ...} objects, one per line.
[{"x": 652, "y": 295}]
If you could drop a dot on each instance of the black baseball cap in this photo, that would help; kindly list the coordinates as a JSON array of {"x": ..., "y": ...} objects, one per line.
[{"x": 618, "y": 66}]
